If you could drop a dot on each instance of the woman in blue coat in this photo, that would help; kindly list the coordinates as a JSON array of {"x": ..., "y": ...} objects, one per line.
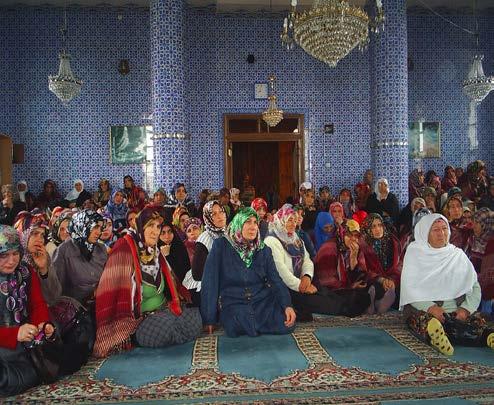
[{"x": 241, "y": 287}]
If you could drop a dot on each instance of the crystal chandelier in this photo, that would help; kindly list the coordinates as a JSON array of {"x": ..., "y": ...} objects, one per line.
[
  {"x": 273, "y": 115},
  {"x": 331, "y": 29},
  {"x": 64, "y": 85},
  {"x": 477, "y": 86}
]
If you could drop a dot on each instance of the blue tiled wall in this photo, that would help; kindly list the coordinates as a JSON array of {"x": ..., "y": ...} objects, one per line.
[{"x": 70, "y": 142}]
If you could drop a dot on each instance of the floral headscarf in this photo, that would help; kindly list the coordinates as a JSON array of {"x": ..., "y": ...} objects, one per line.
[
  {"x": 147, "y": 254},
  {"x": 485, "y": 217},
  {"x": 81, "y": 226},
  {"x": 55, "y": 230},
  {"x": 380, "y": 246},
  {"x": 25, "y": 223},
  {"x": 244, "y": 248},
  {"x": 13, "y": 285},
  {"x": 207, "y": 214},
  {"x": 177, "y": 214},
  {"x": 193, "y": 222},
  {"x": 259, "y": 203},
  {"x": 117, "y": 211}
]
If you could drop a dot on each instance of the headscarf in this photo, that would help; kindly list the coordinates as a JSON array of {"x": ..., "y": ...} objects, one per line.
[
  {"x": 485, "y": 218},
  {"x": 259, "y": 203},
  {"x": 376, "y": 188},
  {"x": 81, "y": 226},
  {"x": 307, "y": 185},
  {"x": 380, "y": 246},
  {"x": 235, "y": 192},
  {"x": 193, "y": 222},
  {"x": 429, "y": 191},
  {"x": 245, "y": 248},
  {"x": 14, "y": 285},
  {"x": 147, "y": 254},
  {"x": 179, "y": 211},
  {"x": 474, "y": 168},
  {"x": 324, "y": 188},
  {"x": 434, "y": 274},
  {"x": 117, "y": 211},
  {"x": 323, "y": 219},
  {"x": 22, "y": 194},
  {"x": 73, "y": 194},
  {"x": 420, "y": 213},
  {"x": 55, "y": 230},
  {"x": 207, "y": 214},
  {"x": 173, "y": 198},
  {"x": 414, "y": 178},
  {"x": 415, "y": 201},
  {"x": 25, "y": 223}
]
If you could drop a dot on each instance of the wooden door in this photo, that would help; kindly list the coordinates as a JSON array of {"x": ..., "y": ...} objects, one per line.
[{"x": 5, "y": 160}]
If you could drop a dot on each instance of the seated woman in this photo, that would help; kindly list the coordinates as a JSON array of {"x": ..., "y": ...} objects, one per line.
[
  {"x": 134, "y": 194},
  {"x": 404, "y": 225},
  {"x": 25, "y": 195},
  {"x": 137, "y": 300},
  {"x": 79, "y": 261},
  {"x": 382, "y": 255},
  {"x": 102, "y": 196},
  {"x": 193, "y": 228},
  {"x": 440, "y": 293},
  {"x": 179, "y": 198},
  {"x": 310, "y": 212},
  {"x": 415, "y": 184},
  {"x": 260, "y": 206},
  {"x": 482, "y": 255},
  {"x": 461, "y": 230},
  {"x": 49, "y": 196},
  {"x": 23, "y": 314},
  {"x": 77, "y": 196},
  {"x": 296, "y": 270},
  {"x": 241, "y": 284},
  {"x": 346, "y": 199},
  {"x": 430, "y": 197},
  {"x": 117, "y": 208},
  {"x": 10, "y": 206},
  {"x": 59, "y": 232},
  {"x": 309, "y": 245},
  {"x": 383, "y": 202},
  {"x": 108, "y": 237},
  {"x": 325, "y": 228},
  {"x": 180, "y": 216},
  {"x": 159, "y": 197},
  {"x": 174, "y": 251}
]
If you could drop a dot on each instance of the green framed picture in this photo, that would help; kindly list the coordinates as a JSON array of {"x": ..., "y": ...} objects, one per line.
[
  {"x": 424, "y": 140},
  {"x": 128, "y": 144}
]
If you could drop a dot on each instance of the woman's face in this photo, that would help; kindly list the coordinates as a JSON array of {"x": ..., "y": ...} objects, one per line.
[
  {"x": 383, "y": 187},
  {"x": 36, "y": 240},
  {"x": 344, "y": 197},
  {"x": 250, "y": 229},
  {"x": 455, "y": 209},
  {"x": 377, "y": 229},
  {"x": 132, "y": 220},
  {"x": 438, "y": 234},
  {"x": 95, "y": 233},
  {"x": 108, "y": 231},
  {"x": 451, "y": 173},
  {"x": 128, "y": 183},
  {"x": 118, "y": 198},
  {"x": 9, "y": 261},
  {"x": 219, "y": 216},
  {"x": 324, "y": 195},
  {"x": 7, "y": 194},
  {"x": 159, "y": 198},
  {"x": 337, "y": 213},
  {"x": 21, "y": 187},
  {"x": 328, "y": 229},
  {"x": 49, "y": 189},
  {"x": 152, "y": 232},
  {"x": 166, "y": 235},
  {"x": 291, "y": 224},
  {"x": 421, "y": 177},
  {"x": 63, "y": 230},
  {"x": 351, "y": 237},
  {"x": 300, "y": 217},
  {"x": 430, "y": 200},
  {"x": 193, "y": 232},
  {"x": 309, "y": 198},
  {"x": 104, "y": 186},
  {"x": 180, "y": 193},
  {"x": 416, "y": 206},
  {"x": 261, "y": 211},
  {"x": 181, "y": 222},
  {"x": 78, "y": 187}
]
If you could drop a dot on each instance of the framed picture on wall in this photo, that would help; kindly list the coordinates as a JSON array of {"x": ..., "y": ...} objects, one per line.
[
  {"x": 128, "y": 144},
  {"x": 424, "y": 140}
]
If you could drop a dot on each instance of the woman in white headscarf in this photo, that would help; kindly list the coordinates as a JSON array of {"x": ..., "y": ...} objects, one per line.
[
  {"x": 25, "y": 195},
  {"x": 383, "y": 202},
  {"x": 440, "y": 293},
  {"x": 77, "y": 196}
]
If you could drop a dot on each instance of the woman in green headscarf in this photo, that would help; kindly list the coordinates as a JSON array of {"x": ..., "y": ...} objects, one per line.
[{"x": 241, "y": 287}]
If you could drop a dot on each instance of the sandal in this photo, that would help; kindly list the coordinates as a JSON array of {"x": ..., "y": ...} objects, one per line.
[{"x": 439, "y": 339}]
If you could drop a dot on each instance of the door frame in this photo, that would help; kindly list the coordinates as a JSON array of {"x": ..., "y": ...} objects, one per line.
[{"x": 229, "y": 138}]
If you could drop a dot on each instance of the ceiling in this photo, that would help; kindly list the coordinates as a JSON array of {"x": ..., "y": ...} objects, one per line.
[{"x": 249, "y": 5}]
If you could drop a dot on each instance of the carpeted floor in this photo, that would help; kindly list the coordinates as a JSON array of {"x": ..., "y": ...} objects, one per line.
[{"x": 331, "y": 360}]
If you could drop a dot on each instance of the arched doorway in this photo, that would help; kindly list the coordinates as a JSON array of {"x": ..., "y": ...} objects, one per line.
[
  {"x": 6, "y": 153},
  {"x": 271, "y": 157}
]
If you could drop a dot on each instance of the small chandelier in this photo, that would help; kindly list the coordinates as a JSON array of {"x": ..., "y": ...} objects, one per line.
[
  {"x": 331, "y": 29},
  {"x": 477, "y": 86},
  {"x": 64, "y": 85},
  {"x": 273, "y": 115}
]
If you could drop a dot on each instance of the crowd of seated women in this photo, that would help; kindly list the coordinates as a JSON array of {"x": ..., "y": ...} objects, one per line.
[{"x": 155, "y": 271}]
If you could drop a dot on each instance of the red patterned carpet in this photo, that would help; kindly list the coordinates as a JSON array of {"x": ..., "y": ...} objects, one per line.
[{"x": 324, "y": 379}]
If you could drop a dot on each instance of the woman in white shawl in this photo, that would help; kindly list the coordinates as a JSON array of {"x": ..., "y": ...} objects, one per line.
[{"x": 440, "y": 293}]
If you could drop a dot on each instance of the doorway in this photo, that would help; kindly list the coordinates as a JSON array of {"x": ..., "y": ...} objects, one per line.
[
  {"x": 6, "y": 151},
  {"x": 271, "y": 159}
]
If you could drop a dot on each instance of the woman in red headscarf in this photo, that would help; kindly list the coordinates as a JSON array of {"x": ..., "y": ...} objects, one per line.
[{"x": 260, "y": 206}]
